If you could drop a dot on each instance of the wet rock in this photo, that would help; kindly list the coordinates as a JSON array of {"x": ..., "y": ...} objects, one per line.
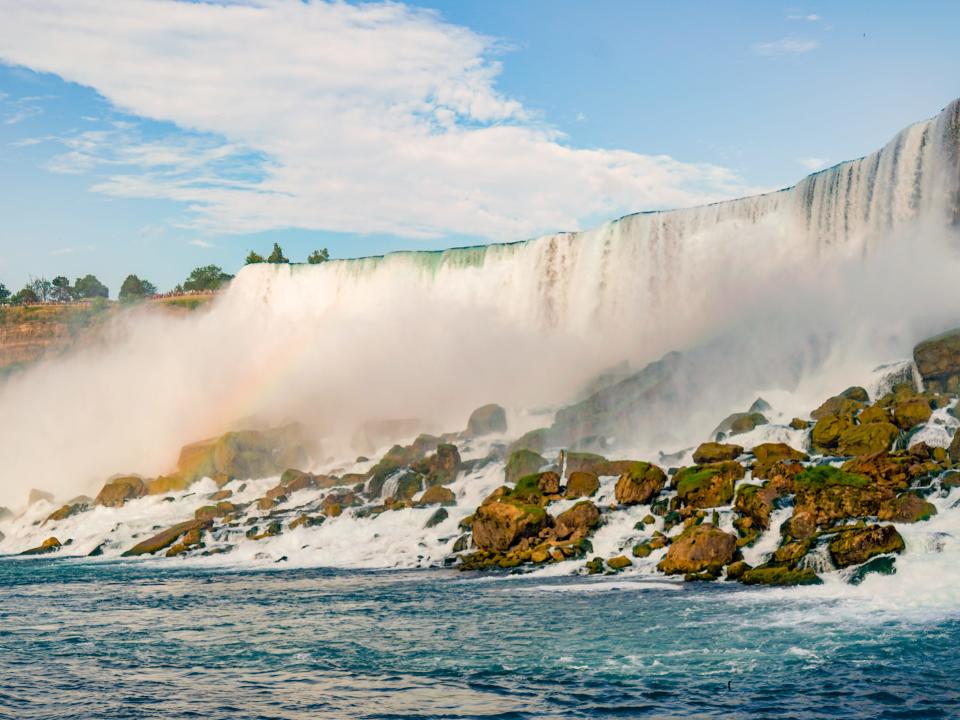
[
  {"x": 119, "y": 490},
  {"x": 163, "y": 540},
  {"x": 875, "y": 414},
  {"x": 440, "y": 468},
  {"x": 711, "y": 452},
  {"x": 535, "y": 441},
  {"x": 778, "y": 576},
  {"x": 577, "y": 522},
  {"x": 867, "y": 439},
  {"x": 487, "y": 420},
  {"x": 883, "y": 565},
  {"x": 640, "y": 484},
  {"x": 849, "y": 402},
  {"x": 700, "y": 548},
  {"x": 856, "y": 546},
  {"x": 594, "y": 566},
  {"x": 438, "y": 516},
  {"x": 462, "y": 544},
  {"x": 706, "y": 486},
  {"x": 167, "y": 484},
  {"x": 910, "y": 413},
  {"x": 799, "y": 424},
  {"x": 907, "y": 508},
  {"x": 221, "y": 495},
  {"x": 49, "y": 545},
  {"x": 65, "y": 511},
  {"x": 735, "y": 570},
  {"x": 522, "y": 463},
  {"x": 618, "y": 563},
  {"x": 208, "y": 513},
  {"x": 409, "y": 484},
  {"x": 438, "y": 495},
  {"x": 36, "y": 496},
  {"x": 247, "y": 455},
  {"x": 828, "y": 429},
  {"x": 769, "y": 454},
  {"x": 825, "y": 495},
  {"x": 581, "y": 484},
  {"x": 739, "y": 423},
  {"x": 497, "y": 525},
  {"x": 938, "y": 361},
  {"x": 307, "y": 521}
]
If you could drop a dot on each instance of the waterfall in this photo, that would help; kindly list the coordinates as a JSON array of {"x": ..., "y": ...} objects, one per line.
[{"x": 857, "y": 257}]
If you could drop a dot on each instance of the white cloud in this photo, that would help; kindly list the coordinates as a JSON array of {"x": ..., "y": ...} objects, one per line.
[
  {"x": 813, "y": 163},
  {"x": 200, "y": 243},
  {"x": 786, "y": 46},
  {"x": 808, "y": 18},
  {"x": 372, "y": 118}
]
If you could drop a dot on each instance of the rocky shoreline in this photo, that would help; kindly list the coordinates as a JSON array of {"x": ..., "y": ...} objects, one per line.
[{"x": 833, "y": 503}]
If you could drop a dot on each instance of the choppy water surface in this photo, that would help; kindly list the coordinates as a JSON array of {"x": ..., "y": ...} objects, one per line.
[{"x": 144, "y": 640}]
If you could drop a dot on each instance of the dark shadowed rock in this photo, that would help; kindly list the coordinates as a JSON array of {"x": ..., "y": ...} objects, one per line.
[
  {"x": 49, "y": 545},
  {"x": 165, "y": 539},
  {"x": 522, "y": 463},
  {"x": 938, "y": 361},
  {"x": 853, "y": 547},
  {"x": 487, "y": 420}
]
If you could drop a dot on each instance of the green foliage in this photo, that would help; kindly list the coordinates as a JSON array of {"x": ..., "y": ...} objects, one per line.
[
  {"x": 61, "y": 290},
  {"x": 822, "y": 476},
  {"x": 134, "y": 288},
  {"x": 318, "y": 256},
  {"x": 206, "y": 278},
  {"x": 90, "y": 287},
  {"x": 254, "y": 258},
  {"x": 4, "y": 294},
  {"x": 26, "y": 296},
  {"x": 276, "y": 256}
]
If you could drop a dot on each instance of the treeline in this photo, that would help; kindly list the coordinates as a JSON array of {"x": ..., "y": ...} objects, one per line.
[{"x": 208, "y": 278}]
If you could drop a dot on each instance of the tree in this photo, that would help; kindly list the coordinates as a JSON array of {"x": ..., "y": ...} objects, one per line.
[
  {"x": 42, "y": 288},
  {"x": 131, "y": 289},
  {"x": 61, "y": 291},
  {"x": 318, "y": 256},
  {"x": 89, "y": 287},
  {"x": 254, "y": 257},
  {"x": 4, "y": 294},
  {"x": 206, "y": 278},
  {"x": 27, "y": 296},
  {"x": 276, "y": 256}
]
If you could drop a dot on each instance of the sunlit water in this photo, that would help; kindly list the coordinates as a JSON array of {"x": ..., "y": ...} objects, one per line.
[{"x": 146, "y": 640}]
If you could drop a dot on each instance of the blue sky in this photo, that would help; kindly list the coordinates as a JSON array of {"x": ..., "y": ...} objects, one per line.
[{"x": 152, "y": 136}]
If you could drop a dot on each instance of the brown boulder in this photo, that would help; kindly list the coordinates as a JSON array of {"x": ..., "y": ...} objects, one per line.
[
  {"x": 119, "y": 490},
  {"x": 700, "y": 548},
  {"x": 874, "y": 414},
  {"x": 867, "y": 439},
  {"x": 65, "y": 511},
  {"x": 853, "y": 547},
  {"x": 49, "y": 545},
  {"x": 640, "y": 484},
  {"x": 938, "y": 361},
  {"x": 497, "y": 525},
  {"x": 582, "y": 484},
  {"x": 165, "y": 539},
  {"x": 438, "y": 494},
  {"x": 167, "y": 484},
  {"x": 769, "y": 454},
  {"x": 711, "y": 452},
  {"x": 828, "y": 429},
  {"x": 706, "y": 486},
  {"x": 910, "y": 413},
  {"x": 578, "y": 521},
  {"x": 907, "y": 508}
]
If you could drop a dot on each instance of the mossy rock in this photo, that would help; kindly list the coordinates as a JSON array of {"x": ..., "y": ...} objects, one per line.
[
  {"x": 499, "y": 524},
  {"x": 618, "y": 563},
  {"x": 581, "y": 484},
  {"x": 799, "y": 424},
  {"x": 739, "y": 423},
  {"x": 735, "y": 570},
  {"x": 438, "y": 495},
  {"x": 779, "y": 576},
  {"x": 595, "y": 566},
  {"x": 523, "y": 463},
  {"x": 700, "y": 548},
  {"x": 823, "y": 476},
  {"x": 910, "y": 413},
  {"x": 841, "y": 404},
  {"x": 706, "y": 486},
  {"x": 535, "y": 441},
  {"x": 409, "y": 484},
  {"x": 853, "y": 547},
  {"x": 769, "y": 454},
  {"x": 874, "y": 414},
  {"x": 828, "y": 429},
  {"x": 867, "y": 439},
  {"x": 639, "y": 484},
  {"x": 711, "y": 452},
  {"x": 907, "y": 508}
]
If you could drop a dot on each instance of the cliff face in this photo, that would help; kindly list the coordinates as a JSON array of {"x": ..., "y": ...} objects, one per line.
[{"x": 30, "y": 332}]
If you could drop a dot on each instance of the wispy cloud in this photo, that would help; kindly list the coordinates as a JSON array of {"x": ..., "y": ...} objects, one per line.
[
  {"x": 786, "y": 46},
  {"x": 808, "y": 18},
  {"x": 198, "y": 242},
  {"x": 15, "y": 110},
  {"x": 369, "y": 118},
  {"x": 813, "y": 163}
]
